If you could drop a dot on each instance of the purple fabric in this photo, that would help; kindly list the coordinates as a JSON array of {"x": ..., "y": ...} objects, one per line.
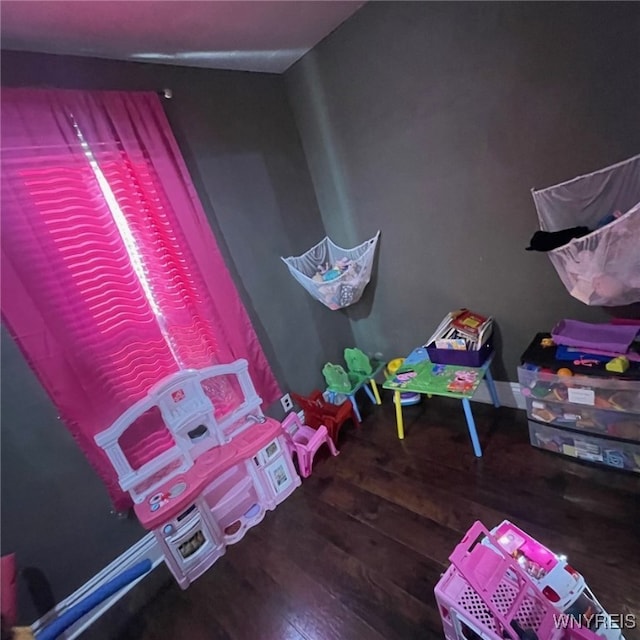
[
  {"x": 70, "y": 297},
  {"x": 608, "y": 338}
]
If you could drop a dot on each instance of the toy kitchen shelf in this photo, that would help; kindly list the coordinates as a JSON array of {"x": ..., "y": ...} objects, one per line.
[
  {"x": 203, "y": 464},
  {"x": 590, "y": 417}
]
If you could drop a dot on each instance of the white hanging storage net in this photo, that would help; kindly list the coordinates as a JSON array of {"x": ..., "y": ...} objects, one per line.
[
  {"x": 603, "y": 267},
  {"x": 333, "y": 275}
]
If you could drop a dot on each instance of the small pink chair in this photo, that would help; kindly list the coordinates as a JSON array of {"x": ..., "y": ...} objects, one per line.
[{"x": 305, "y": 441}]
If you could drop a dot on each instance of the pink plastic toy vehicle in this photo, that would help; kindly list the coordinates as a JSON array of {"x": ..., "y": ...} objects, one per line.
[{"x": 504, "y": 584}]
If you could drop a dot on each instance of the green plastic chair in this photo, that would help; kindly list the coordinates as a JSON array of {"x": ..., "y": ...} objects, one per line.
[
  {"x": 358, "y": 363},
  {"x": 361, "y": 367},
  {"x": 337, "y": 379},
  {"x": 361, "y": 372}
]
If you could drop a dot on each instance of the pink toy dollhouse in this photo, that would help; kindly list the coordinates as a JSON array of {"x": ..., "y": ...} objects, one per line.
[
  {"x": 504, "y": 584},
  {"x": 201, "y": 462}
]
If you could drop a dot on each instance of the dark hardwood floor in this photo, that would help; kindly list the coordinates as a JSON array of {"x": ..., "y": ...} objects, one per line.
[{"x": 356, "y": 551}]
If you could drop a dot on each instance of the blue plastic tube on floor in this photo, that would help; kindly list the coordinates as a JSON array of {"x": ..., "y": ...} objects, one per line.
[{"x": 93, "y": 600}]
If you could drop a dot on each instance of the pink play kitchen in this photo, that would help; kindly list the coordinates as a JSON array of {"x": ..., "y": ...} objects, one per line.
[{"x": 201, "y": 463}]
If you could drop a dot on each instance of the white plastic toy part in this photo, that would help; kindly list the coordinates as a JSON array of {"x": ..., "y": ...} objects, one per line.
[{"x": 200, "y": 409}]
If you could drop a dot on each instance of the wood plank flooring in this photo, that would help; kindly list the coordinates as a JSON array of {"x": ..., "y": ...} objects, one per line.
[{"x": 356, "y": 551}]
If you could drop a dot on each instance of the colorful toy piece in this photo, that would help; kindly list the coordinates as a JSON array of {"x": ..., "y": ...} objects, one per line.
[
  {"x": 406, "y": 397},
  {"x": 305, "y": 442},
  {"x": 504, "y": 584},
  {"x": 617, "y": 365}
]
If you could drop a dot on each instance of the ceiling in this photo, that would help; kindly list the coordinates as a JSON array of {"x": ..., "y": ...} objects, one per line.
[{"x": 250, "y": 36}]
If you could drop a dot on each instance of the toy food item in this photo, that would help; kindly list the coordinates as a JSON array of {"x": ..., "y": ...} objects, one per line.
[
  {"x": 541, "y": 390},
  {"x": 623, "y": 401},
  {"x": 560, "y": 392},
  {"x": 625, "y": 429},
  {"x": 588, "y": 420},
  {"x": 563, "y": 371},
  {"x": 601, "y": 402},
  {"x": 543, "y": 415}
]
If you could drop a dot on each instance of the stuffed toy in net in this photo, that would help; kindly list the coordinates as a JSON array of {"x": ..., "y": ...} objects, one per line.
[
  {"x": 602, "y": 266},
  {"x": 333, "y": 275}
]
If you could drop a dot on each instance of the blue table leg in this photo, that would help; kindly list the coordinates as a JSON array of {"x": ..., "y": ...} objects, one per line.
[
  {"x": 492, "y": 388},
  {"x": 471, "y": 425},
  {"x": 369, "y": 393},
  {"x": 355, "y": 406}
]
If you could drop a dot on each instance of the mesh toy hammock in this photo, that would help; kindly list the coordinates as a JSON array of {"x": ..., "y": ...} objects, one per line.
[
  {"x": 603, "y": 267},
  {"x": 333, "y": 275}
]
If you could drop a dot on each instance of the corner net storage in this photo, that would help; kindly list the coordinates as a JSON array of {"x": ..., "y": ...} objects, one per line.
[
  {"x": 603, "y": 267},
  {"x": 335, "y": 276}
]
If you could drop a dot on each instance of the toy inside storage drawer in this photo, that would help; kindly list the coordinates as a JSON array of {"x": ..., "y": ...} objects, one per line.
[
  {"x": 585, "y": 418},
  {"x": 600, "y": 450},
  {"x": 608, "y": 394}
]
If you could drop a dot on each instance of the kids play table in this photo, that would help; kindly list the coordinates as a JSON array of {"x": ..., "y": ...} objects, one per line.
[{"x": 419, "y": 375}]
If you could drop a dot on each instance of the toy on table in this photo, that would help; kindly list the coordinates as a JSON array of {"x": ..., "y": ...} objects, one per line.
[
  {"x": 407, "y": 398},
  {"x": 393, "y": 366},
  {"x": 405, "y": 376},
  {"x": 505, "y": 584},
  {"x": 463, "y": 382}
]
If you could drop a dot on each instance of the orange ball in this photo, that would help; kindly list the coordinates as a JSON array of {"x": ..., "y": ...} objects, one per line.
[{"x": 564, "y": 372}]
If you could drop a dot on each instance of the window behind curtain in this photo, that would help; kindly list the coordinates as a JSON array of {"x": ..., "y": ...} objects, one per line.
[
  {"x": 111, "y": 276},
  {"x": 130, "y": 335}
]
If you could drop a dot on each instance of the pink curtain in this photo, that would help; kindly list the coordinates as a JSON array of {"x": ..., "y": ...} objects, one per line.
[{"x": 71, "y": 297}]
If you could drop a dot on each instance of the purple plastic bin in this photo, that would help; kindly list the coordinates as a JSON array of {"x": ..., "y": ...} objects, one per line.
[{"x": 461, "y": 358}]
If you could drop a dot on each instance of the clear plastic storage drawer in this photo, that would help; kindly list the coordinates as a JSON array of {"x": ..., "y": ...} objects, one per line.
[
  {"x": 606, "y": 394},
  {"x": 616, "y": 424},
  {"x": 591, "y": 448}
]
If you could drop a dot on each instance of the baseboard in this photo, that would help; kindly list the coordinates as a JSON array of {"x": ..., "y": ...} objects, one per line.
[
  {"x": 145, "y": 548},
  {"x": 509, "y": 394}
]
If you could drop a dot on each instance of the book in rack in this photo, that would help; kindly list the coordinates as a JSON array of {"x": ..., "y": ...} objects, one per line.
[{"x": 462, "y": 330}]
